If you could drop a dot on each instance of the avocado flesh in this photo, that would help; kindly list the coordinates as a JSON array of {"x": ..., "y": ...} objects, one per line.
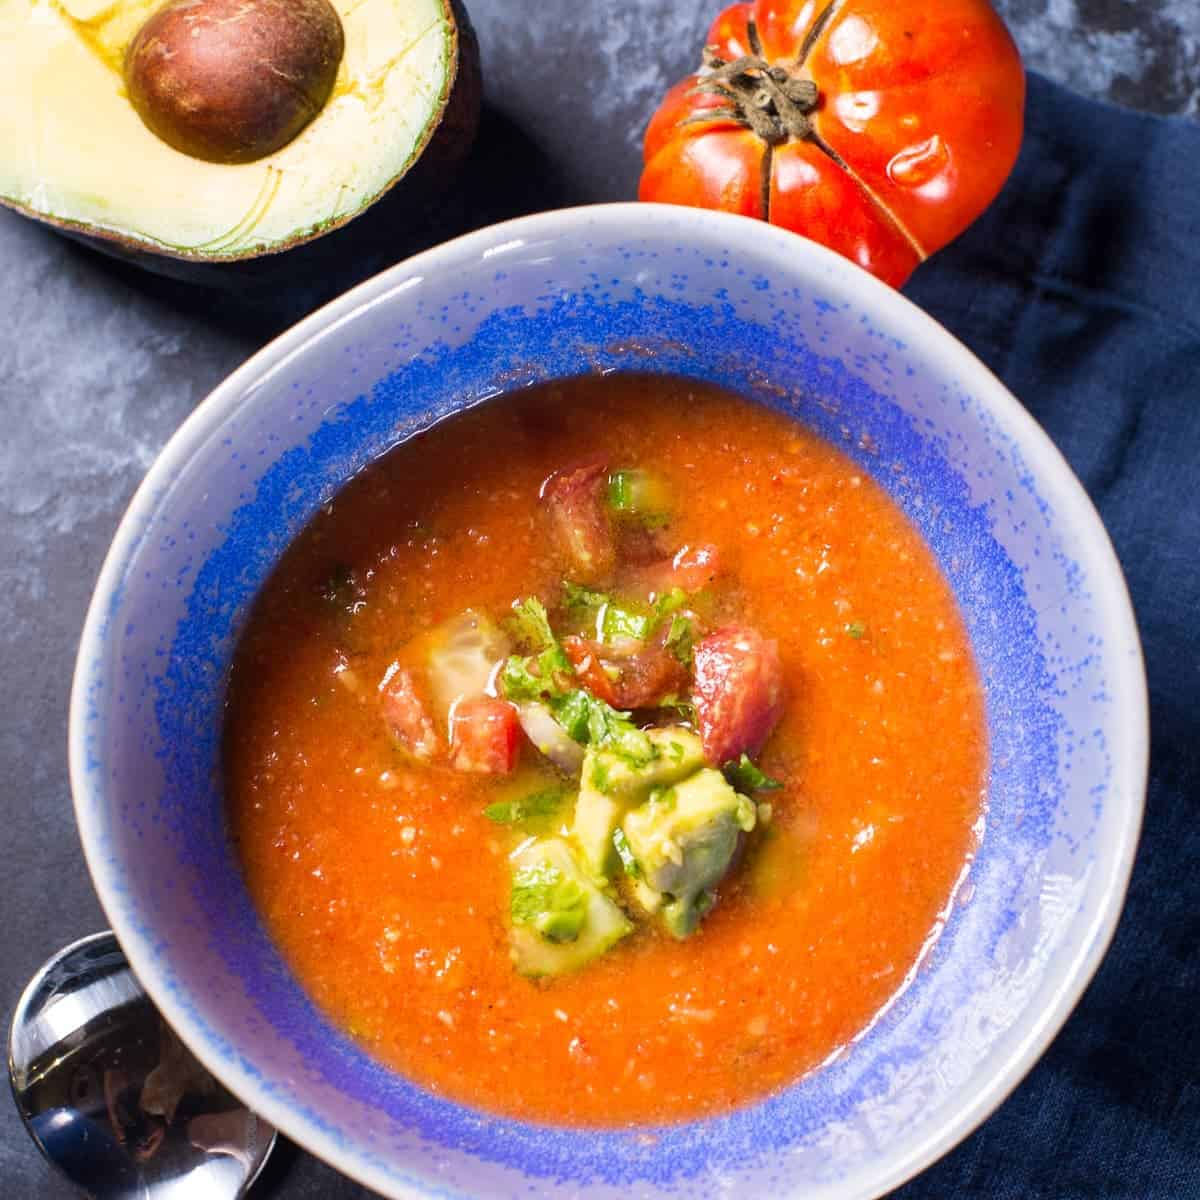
[
  {"x": 684, "y": 841},
  {"x": 74, "y": 153},
  {"x": 543, "y": 945},
  {"x": 598, "y": 811}
]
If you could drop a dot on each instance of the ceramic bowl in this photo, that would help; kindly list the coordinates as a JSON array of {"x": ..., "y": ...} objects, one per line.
[{"x": 645, "y": 288}]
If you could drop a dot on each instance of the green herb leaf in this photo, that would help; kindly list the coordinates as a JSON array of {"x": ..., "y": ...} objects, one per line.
[
  {"x": 681, "y": 637},
  {"x": 670, "y": 602},
  {"x": 518, "y": 682},
  {"x": 620, "y": 621},
  {"x": 625, "y": 854},
  {"x": 544, "y": 898},
  {"x": 745, "y": 776},
  {"x": 577, "y": 597},
  {"x": 856, "y": 629},
  {"x": 571, "y": 711},
  {"x": 513, "y": 812},
  {"x": 531, "y": 626},
  {"x": 685, "y": 708},
  {"x": 609, "y": 729}
]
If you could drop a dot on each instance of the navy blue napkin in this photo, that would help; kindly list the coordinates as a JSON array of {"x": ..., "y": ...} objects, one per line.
[{"x": 1080, "y": 288}]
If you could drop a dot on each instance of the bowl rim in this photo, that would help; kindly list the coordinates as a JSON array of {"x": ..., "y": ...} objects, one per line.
[{"x": 937, "y": 345}]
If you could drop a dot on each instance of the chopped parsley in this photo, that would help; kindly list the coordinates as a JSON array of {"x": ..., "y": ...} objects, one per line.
[
  {"x": 548, "y": 901},
  {"x": 681, "y": 637},
  {"x": 587, "y": 719},
  {"x": 577, "y": 597},
  {"x": 571, "y": 711},
  {"x": 625, "y": 853},
  {"x": 670, "y": 602},
  {"x": 620, "y": 621},
  {"x": 745, "y": 776},
  {"x": 513, "y": 812},
  {"x": 527, "y": 678},
  {"x": 685, "y": 708},
  {"x": 856, "y": 629},
  {"x": 530, "y": 624}
]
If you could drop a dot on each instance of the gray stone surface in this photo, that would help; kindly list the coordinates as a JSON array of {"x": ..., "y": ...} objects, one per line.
[{"x": 99, "y": 363}]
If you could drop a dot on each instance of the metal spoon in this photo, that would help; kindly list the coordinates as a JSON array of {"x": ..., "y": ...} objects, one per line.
[{"x": 112, "y": 1097}]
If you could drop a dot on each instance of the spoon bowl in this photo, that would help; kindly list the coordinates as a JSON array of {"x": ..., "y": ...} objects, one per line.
[{"x": 111, "y": 1096}]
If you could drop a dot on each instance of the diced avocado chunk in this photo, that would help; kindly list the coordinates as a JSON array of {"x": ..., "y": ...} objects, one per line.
[
  {"x": 596, "y": 819},
  {"x": 611, "y": 785},
  {"x": 561, "y": 920},
  {"x": 683, "y": 839}
]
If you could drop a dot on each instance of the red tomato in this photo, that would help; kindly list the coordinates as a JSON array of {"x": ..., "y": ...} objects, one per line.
[
  {"x": 635, "y": 676},
  {"x": 485, "y": 736},
  {"x": 738, "y": 692},
  {"x": 881, "y": 128},
  {"x": 577, "y": 501},
  {"x": 406, "y": 715}
]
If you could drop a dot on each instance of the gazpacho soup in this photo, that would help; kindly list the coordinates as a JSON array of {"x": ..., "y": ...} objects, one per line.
[{"x": 608, "y": 753}]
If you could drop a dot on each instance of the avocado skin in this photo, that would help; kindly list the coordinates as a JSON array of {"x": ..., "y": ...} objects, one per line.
[{"x": 348, "y": 250}]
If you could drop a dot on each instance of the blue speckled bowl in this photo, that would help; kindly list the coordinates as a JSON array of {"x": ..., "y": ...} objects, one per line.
[{"x": 645, "y": 288}]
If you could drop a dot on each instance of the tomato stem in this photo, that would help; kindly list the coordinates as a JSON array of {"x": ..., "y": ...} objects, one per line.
[{"x": 765, "y": 98}]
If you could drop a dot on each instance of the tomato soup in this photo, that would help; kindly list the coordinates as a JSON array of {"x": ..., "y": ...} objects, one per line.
[{"x": 609, "y": 753}]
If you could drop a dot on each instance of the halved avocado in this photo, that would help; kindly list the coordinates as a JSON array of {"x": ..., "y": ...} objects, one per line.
[{"x": 75, "y": 154}]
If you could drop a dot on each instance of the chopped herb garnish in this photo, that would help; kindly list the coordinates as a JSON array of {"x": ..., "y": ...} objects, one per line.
[
  {"x": 621, "y": 622},
  {"x": 530, "y": 624},
  {"x": 518, "y": 682},
  {"x": 587, "y": 719},
  {"x": 571, "y": 711},
  {"x": 856, "y": 629},
  {"x": 663, "y": 798},
  {"x": 670, "y": 602},
  {"x": 513, "y": 812},
  {"x": 609, "y": 729},
  {"x": 625, "y": 854},
  {"x": 546, "y": 899},
  {"x": 599, "y": 778},
  {"x": 745, "y": 776},
  {"x": 685, "y": 708},
  {"x": 680, "y": 639},
  {"x": 578, "y": 597}
]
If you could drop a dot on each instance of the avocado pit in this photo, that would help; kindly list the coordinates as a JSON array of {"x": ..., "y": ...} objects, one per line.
[{"x": 232, "y": 81}]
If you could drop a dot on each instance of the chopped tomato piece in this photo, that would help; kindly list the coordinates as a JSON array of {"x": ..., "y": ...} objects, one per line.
[
  {"x": 405, "y": 714},
  {"x": 738, "y": 691},
  {"x": 577, "y": 503},
  {"x": 485, "y": 736},
  {"x": 585, "y": 658},
  {"x": 626, "y": 675}
]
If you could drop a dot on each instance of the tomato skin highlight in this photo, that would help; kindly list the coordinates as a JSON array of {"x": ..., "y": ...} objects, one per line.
[{"x": 916, "y": 126}]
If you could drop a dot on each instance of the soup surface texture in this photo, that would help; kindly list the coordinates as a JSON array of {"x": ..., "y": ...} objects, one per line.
[{"x": 386, "y": 885}]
